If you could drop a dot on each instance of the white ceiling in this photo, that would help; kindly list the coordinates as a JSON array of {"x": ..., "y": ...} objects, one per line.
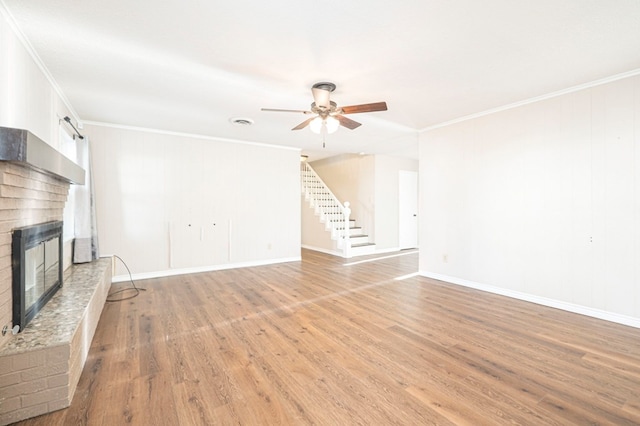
[{"x": 189, "y": 66}]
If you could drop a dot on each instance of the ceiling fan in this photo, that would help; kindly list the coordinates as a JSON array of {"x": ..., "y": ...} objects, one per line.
[{"x": 327, "y": 114}]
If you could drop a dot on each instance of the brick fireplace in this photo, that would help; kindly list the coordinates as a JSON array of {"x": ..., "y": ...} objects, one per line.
[
  {"x": 27, "y": 197},
  {"x": 40, "y": 366}
]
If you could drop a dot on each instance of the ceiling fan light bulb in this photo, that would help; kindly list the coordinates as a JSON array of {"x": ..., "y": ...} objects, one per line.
[
  {"x": 316, "y": 125},
  {"x": 332, "y": 124}
]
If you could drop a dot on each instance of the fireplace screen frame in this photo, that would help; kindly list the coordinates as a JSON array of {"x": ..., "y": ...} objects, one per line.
[{"x": 24, "y": 239}]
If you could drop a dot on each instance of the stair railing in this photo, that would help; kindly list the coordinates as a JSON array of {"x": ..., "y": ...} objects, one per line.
[{"x": 327, "y": 205}]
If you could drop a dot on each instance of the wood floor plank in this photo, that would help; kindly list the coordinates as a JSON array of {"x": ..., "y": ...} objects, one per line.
[{"x": 361, "y": 341}]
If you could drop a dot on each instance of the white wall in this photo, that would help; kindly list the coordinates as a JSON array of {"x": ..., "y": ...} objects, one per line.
[
  {"x": 540, "y": 202},
  {"x": 387, "y": 196},
  {"x": 27, "y": 98},
  {"x": 169, "y": 204}
]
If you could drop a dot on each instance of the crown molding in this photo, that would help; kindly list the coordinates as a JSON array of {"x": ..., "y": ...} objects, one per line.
[
  {"x": 187, "y": 135},
  {"x": 572, "y": 89}
]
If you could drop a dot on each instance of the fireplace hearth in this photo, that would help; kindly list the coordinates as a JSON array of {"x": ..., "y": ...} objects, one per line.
[{"x": 37, "y": 268}]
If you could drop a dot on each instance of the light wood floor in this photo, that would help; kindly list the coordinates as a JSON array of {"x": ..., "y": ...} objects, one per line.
[{"x": 320, "y": 342}]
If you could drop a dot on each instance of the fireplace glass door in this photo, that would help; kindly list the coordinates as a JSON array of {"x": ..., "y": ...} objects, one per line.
[
  {"x": 40, "y": 270},
  {"x": 37, "y": 268}
]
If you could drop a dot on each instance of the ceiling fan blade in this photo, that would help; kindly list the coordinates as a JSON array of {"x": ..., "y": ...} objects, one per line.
[
  {"x": 347, "y": 122},
  {"x": 353, "y": 109},
  {"x": 286, "y": 110},
  {"x": 304, "y": 124},
  {"x": 321, "y": 97}
]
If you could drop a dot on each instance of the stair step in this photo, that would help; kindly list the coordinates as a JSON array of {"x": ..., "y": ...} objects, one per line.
[
  {"x": 363, "y": 249},
  {"x": 352, "y": 231},
  {"x": 362, "y": 245},
  {"x": 358, "y": 240}
]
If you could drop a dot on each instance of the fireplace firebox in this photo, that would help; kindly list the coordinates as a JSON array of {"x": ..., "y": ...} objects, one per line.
[{"x": 37, "y": 268}]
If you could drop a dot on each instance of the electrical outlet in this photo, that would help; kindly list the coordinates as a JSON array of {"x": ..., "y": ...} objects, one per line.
[{"x": 445, "y": 258}]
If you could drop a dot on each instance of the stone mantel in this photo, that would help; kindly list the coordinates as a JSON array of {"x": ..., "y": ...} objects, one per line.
[{"x": 22, "y": 146}]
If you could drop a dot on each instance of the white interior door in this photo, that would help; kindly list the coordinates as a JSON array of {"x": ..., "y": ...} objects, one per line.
[{"x": 408, "y": 209}]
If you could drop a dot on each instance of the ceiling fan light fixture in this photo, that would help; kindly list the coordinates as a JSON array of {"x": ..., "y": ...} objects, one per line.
[
  {"x": 332, "y": 124},
  {"x": 329, "y": 123},
  {"x": 316, "y": 125}
]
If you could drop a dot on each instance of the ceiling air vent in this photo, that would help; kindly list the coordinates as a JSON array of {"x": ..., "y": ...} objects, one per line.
[{"x": 241, "y": 121}]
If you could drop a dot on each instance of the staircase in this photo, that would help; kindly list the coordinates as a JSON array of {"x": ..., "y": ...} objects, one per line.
[{"x": 334, "y": 215}]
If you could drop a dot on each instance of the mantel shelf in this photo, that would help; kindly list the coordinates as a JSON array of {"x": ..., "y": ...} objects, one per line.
[{"x": 24, "y": 147}]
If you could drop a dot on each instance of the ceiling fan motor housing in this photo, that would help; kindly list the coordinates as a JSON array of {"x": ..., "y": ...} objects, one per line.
[
  {"x": 322, "y": 110},
  {"x": 324, "y": 85}
]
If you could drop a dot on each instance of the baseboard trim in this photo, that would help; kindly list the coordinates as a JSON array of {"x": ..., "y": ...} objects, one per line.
[
  {"x": 212, "y": 268},
  {"x": 338, "y": 253},
  {"x": 388, "y": 250},
  {"x": 544, "y": 301}
]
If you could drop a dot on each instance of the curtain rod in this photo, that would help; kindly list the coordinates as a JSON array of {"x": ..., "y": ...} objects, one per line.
[{"x": 68, "y": 120}]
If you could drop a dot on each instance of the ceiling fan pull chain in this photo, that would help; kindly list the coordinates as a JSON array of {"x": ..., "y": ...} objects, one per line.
[{"x": 323, "y": 129}]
